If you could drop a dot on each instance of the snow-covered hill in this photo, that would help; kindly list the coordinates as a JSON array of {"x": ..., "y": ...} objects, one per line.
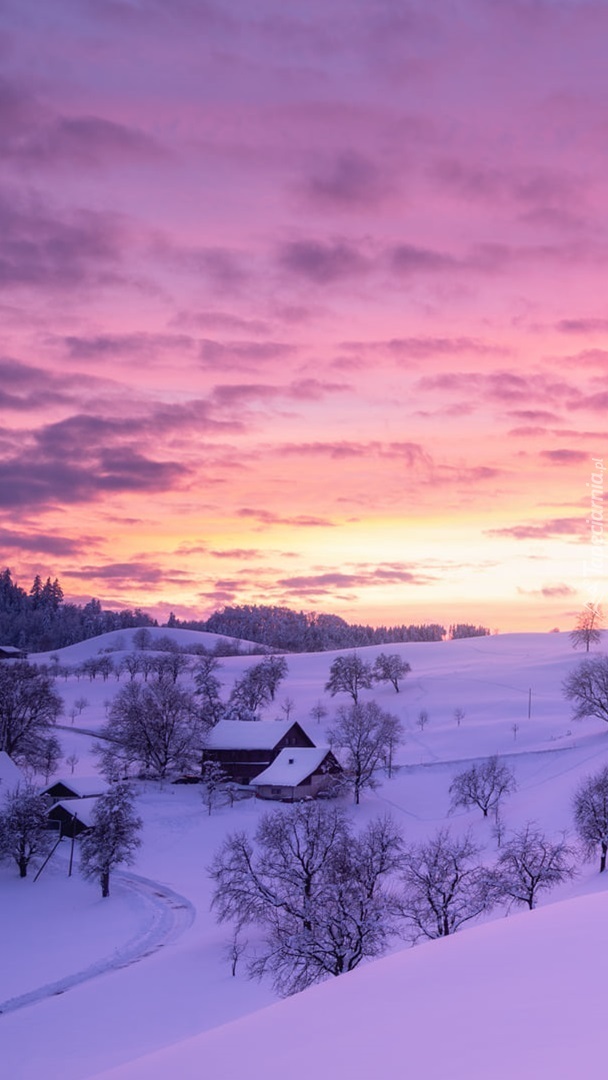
[{"x": 480, "y": 1004}]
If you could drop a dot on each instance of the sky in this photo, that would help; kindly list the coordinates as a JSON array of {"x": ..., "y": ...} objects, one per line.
[{"x": 304, "y": 304}]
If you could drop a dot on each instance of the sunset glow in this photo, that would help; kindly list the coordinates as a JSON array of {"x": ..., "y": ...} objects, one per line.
[{"x": 305, "y": 304}]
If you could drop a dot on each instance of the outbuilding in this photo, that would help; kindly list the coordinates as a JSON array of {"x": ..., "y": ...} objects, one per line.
[
  {"x": 76, "y": 787},
  {"x": 298, "y": 773},
  {"x": 72, "y": 817},
  {"x": 11, "y": 652}
]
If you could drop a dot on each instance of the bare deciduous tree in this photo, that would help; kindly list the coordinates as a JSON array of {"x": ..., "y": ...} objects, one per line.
[
  {"x": 318, "y": 712},
  {"x": 531, "y": 863},
  {"x": 156, "y": 727},
  {"x": 484, "y": 785},
  {"x": 29, "y": 707},
  {"x": 72, "y": 761},
  {"x": 23, "y": 827},
  {"x": 214, "y": 781},
  {"x": 587, "y": 688},
  {"x": 423, "y": 719},
  {"x": 444, "y": 886},
  {"x": 318, "y": 892},
  {"x": 349, "y": 675},
  {"x": 591, "y": 814},
  {"x": 367, "y": 735},
  {"x": 113, "y": 838},
  {"x": 390, "y": 668},
  {"x": 588, "y": 626}
]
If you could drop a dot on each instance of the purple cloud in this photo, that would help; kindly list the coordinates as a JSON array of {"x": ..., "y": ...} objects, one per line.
[
  {"x": 564, "y": 456},
  {"x": 350, "y": 180},
  {"x": 545, "y": 530},
  {"x": 322, "y": 263}
]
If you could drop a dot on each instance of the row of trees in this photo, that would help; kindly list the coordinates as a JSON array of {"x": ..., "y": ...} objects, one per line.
[
  {"x": 324, "y": 898},
  {"x": 298, "y": 631},
  {"x": 350, "y": 674}
]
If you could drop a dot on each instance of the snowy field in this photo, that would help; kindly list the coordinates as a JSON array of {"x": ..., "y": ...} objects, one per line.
[{"x": 139, "y": 986}]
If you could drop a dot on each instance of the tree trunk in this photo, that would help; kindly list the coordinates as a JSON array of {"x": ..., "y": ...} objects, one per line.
[
  {"x": 603, "y": 858},
  {"x": 105, "y": 883},
  {"x": 22, "y": 868}
]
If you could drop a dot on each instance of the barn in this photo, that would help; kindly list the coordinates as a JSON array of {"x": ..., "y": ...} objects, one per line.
[
  {"x": 76, "y": 787},
  {"x": 245, "y": 748},
  {"x": 71, "y": 817},
  {"x": 298, "y": 773}
]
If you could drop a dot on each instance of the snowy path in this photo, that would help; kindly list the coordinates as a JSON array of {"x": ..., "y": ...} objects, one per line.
[{"x": 167, "y": 916}]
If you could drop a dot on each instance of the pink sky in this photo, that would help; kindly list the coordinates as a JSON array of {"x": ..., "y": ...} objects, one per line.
[{"x": 305, "y": 304}]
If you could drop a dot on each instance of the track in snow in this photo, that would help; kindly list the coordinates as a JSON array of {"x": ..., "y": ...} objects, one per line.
[{"x": 169, "y": 916}]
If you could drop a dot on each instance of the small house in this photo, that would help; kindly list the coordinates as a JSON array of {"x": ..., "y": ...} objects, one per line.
[
  {"x": 244, "y": 748},
  {"x": 72, "y": 817},
  {"x": 298, "y": 773},
  {"x": 76, "y": 787},
  {"x": 10, "y": 652}
]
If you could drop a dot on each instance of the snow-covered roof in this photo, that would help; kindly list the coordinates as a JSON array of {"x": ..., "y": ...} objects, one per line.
[
  {"x": 82, "y": 786},
  {"x": 83, "y": 809},
  {"x": 248, "y": 734},
  {"x": 10, "y": 774},
  {"x": 291, "y": 766}
]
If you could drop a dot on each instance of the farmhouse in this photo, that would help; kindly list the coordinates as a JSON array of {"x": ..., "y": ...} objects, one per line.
[
  {"x": 76, "y": 787},
  {"x": 297, "y": 773},
  {"x": 245, "y": 748},
  {"x": 72, "y": 817},
  {"x": 11, "y": 776}
]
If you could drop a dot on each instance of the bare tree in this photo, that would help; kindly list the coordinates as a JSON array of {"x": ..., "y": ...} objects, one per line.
[
  {"x": 235, "y": 949},
  {"x": 80, "y": 704},
  {"x": 156, "y": 727},
  {"x": 588, "y": 626},
  {"x": 29, "y": 708},
  {"x": 349, "y": 675},
  {"x": 214, "y": 781},
  {"x": 530, "y": 863},
  {"x": 171, "y": 664},
  {"x": 318, "y": 712},
  {"x": 287, "y": 707},
  {"x": 72, "y": 761},
  {"x": 367, "y": 735},
  {"x": 273, "y": 670},
  {"x": 208, "y": 687},
  {"x": 484, "y": 785},
  {"x": 131, "y": 663},
  {"x": 423, "y": 719},
  {"x": 587, "y": 688},
  {"x": 23, "y": 827},
  {"x": 459, "y": 715},
  {"x": 318, "y": 892},
  {"x": 444, "y": 886},
  {"x": 591, "y": 814},
  {"x": 390, "y": 668},
  {"x": 114, "y": 837},
  {"x": 142, "y": 638}
]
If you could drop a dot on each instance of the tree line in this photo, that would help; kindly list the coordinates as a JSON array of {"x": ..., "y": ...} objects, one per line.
[{"x": 40, "y": 620}]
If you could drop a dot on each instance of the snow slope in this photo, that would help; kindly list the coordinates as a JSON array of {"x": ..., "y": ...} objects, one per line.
[
  {"x": 449, "y": 1000},
  {"x": 522, "y": 997}
]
